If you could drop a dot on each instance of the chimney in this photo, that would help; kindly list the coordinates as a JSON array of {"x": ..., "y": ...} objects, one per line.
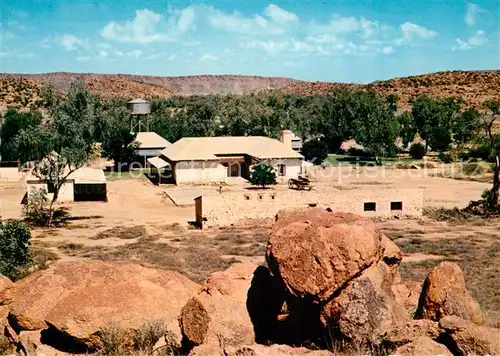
[{"x": 286, "y": 137}]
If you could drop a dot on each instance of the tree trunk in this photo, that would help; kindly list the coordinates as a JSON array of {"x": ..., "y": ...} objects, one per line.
[
  {"x": 54, "y": 198},
  {"x": 493, "y": 199}
]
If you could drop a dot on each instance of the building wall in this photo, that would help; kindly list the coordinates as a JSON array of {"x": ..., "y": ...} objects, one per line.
[
  {"x": 293, "y": 167},
  {"x": 10, "y": 173},
  {"x": 66, "y": 193},
  {"x": 229, "y": 207},
  {"x": 199, "y": 172}
]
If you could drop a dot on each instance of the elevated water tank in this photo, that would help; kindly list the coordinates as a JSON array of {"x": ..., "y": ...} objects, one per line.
[{"x": 139, "y": 107}]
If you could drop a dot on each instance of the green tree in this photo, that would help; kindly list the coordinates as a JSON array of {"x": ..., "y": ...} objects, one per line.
[
  {"x": 407, "y": 128},
  {"x": 262, "y": 175},
  {"x": 434, "y": 119},
  {"x": 14, "y": 248},
  {"x": 493, "y": 139},
  {"x": 417, "y": 151},
  {"x": 376, "y": 126},
  {"x": 13, "y": 123},
  {"x": 66, "y": 144},
  {"x": 466, "y": 127},
  {"x": 118, "y": 143},
  {"x": 315, "y": 151}
]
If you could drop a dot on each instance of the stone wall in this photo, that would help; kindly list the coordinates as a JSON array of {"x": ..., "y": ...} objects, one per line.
[{"x": 229, "y": 207}]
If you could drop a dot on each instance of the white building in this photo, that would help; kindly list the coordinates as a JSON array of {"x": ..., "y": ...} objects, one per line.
[
  {"x": 150, "y": 145},
  {"x": 84, "y": 184},
  {"x": 214, "y": 159}
]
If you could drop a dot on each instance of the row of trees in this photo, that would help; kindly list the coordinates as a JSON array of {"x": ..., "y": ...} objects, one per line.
[{"x": 64, "y": 138}]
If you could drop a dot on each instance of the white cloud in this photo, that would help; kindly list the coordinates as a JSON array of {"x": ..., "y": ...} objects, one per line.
[
  {"x": 476, "y": 40},
  {"x": 387, "y": 50},
  {"x": 186, "y": 18},
  {"x": 83, "y": 58},
  {"x": 208, "y": 57},
  {"x": 471, "y": 14},
  {"x": 411, "y": 30},
  {"x": 369, "y": 27},
  {"x": 171, "y": 57},
  {"x": 337, "y": 25},
  {"x": 322, "y": 39},
  {"x": 135, "y": 53},
  {"x": 73, "y": 43},
  {"x": 279, "y": 15},
  {"x": 273, "y": 21},
  {"x": 103, "y": 54},
  {"x": 270, "y": 46},
  {"x": 227, "y": 52},
  {"x": 142, "y": 29}
]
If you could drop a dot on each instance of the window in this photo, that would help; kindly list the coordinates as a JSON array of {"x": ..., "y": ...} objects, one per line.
[
  {"x": 50, "y": 187},
  {"x": 370, "y": 206},
  {"x": 396, "y": 205},
  {"x": 282, "y": 170}
]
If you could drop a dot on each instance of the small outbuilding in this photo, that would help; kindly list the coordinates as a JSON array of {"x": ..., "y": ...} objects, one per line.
[
  {"x": 150, "y": 145},
  {"x": 84, "y": 184}
]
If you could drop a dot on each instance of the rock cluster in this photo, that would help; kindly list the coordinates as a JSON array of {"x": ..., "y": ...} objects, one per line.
[{"x": 330, "y": 280}]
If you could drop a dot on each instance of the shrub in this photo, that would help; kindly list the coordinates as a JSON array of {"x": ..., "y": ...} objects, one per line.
[
  {"x": 358, "y": 152},
  {"x": 445, "y": 157},
  {"x": 263, "y": 174},
  {"x": 14, "y": 248},
  {"x": 36, "y": 210},
  {"x": 483, "y": 152},
  {"x": 417, "y": 151},
  {"x": 473, "y": 168},
  {"x": 464, "y": 156},
  {"x": 315, "y": 151}
]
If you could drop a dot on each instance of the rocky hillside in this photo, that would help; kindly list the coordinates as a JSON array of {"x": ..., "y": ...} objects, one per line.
[
  {"x": 18, "y": 93},
  {"x": 127, "y": 86},
  {"x": 473, "y": 86}
]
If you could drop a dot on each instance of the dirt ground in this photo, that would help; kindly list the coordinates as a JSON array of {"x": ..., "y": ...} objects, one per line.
[{"x": 140, "y": 223}]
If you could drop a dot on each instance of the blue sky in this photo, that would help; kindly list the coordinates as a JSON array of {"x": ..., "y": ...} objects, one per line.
[{"x": 330, "y": 40}]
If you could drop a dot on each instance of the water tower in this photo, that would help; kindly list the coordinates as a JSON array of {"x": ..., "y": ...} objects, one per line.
[{"x": 140, "y": 110}]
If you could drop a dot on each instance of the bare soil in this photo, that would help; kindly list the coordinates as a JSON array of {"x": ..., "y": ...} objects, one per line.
[{"x": 140, "y": 223}]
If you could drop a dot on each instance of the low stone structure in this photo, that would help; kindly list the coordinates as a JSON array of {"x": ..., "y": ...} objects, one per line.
[{"x": 229, "y": 207}]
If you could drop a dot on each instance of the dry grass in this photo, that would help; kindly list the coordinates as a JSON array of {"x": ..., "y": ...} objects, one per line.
[
  {"x": 478, "y": 255},
  {"x": 121, "y": 232},
  {"x": 41, "y": 259},
  {"x": 120, "y": 342}
]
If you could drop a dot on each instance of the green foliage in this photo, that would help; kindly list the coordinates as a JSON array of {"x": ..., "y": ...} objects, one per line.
[
  {"x": 36, "y": 210},
  {"x": 13, "y": 123},
  {"x": 434, "y": 119},
  {"x": 417, "y": 151},
  {"x": 407, "y": 128},
  {"x": 445, "y": 157},
  {"x": 118, "y": 143},
  {"x": 358, "y": 152},
  {"x": 483, "y": 152},
  {"x": 466, "y": 126},
  {"x": 14, "y": 248},
  {"x": 262, "y": 175},
  {"x": 67, "y": 143},
  {"x": 315, "y": 151}
]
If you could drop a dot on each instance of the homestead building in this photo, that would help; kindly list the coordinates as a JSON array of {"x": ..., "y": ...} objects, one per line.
[
  {"x": 215, "y": 159},
  {"x": 84, "y": 184}
]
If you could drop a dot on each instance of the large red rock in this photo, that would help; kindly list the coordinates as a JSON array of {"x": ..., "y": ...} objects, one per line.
[
  {"x": 423, "y": 346},
  {"x": 75, "y": 300},
  {"x": 218, "y": 314},
  {"x": 4, "y": 283},
  {"x": 316, "y": 252},
  {"x": 445, "y": 293},
  {"x": 366, "y": 308},
  {"x": 469, "y": 338}
]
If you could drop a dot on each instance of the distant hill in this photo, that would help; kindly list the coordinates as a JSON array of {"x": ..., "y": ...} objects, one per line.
[{"x": 473, "y": 86}]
